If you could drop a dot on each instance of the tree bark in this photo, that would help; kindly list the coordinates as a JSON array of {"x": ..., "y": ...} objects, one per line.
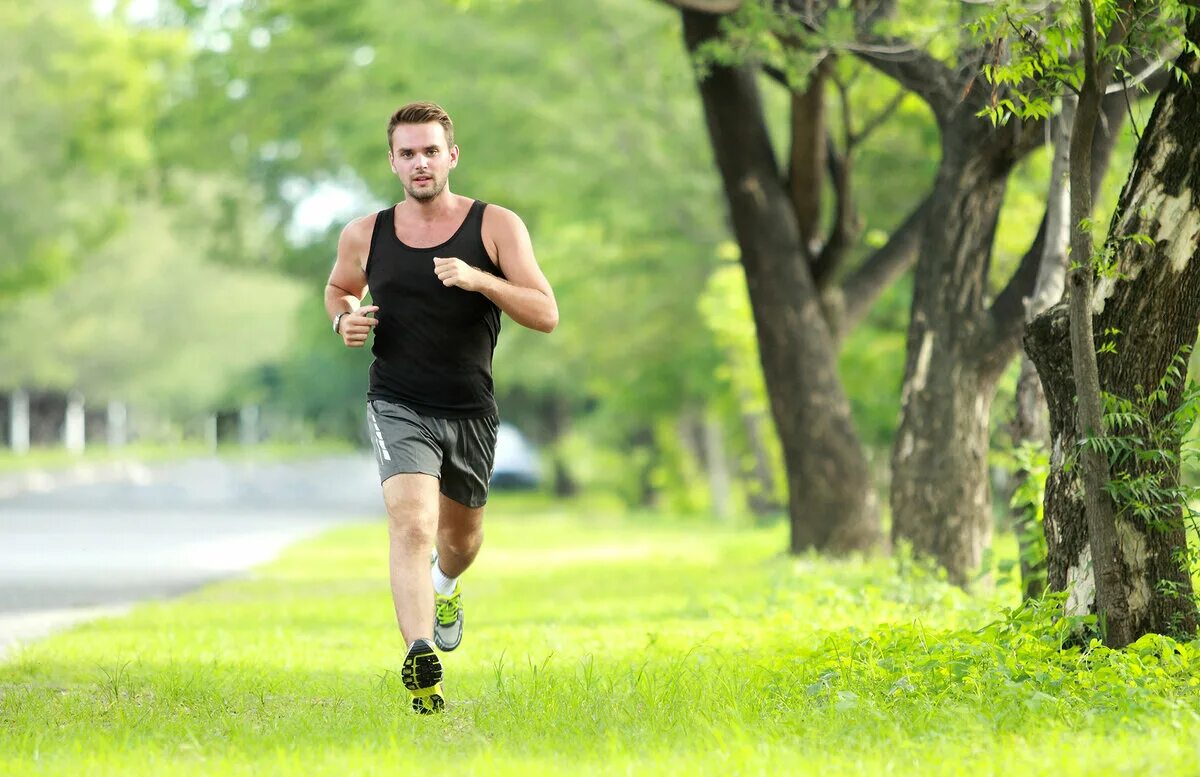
[
  {"x": 1154, "y": 301},
  {"x": 830, "y": 500},
  {"x": 1030, "y": 423},
  {"x": 940, "y": 494},
  {"x": 807, "y": 159}
]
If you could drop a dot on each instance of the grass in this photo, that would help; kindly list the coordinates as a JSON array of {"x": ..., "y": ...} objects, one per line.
[
  {"x": 597, "y": 646},
  {"x": 59, "y": 458}
]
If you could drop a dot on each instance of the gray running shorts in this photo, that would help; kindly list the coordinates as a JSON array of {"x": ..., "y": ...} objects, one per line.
[{"x": 458, "y": 451}]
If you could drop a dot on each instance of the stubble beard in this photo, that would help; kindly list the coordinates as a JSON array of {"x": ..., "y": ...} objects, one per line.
[{"x": 425, "y": 195}]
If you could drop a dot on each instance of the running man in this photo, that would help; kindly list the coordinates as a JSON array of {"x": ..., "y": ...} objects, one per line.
[{"x": 440, "y": 267}]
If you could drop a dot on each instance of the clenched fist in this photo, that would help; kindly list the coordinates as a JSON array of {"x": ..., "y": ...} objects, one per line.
[
  {"x": 452, "y": 271},
  {"x": 354, "y": 327}
]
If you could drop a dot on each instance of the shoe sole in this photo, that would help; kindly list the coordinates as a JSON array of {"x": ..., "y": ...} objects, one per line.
[{"x": 422, "y": 676}]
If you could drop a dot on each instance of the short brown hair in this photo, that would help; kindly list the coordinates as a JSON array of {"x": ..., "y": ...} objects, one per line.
[{"x": 421, "y": 113}]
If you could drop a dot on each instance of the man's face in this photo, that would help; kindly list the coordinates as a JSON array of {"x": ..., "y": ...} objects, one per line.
[{"x": 421, "y": 160}]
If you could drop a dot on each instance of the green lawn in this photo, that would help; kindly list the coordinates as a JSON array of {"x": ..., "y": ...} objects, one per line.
[
  {"x": 597, "y": 646},
  {"x": 58, "y": 458}
]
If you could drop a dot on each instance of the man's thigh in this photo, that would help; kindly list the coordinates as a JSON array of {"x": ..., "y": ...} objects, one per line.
[
  {"x": 411, "y": 496},
  {"x": 457, "y": 517}
]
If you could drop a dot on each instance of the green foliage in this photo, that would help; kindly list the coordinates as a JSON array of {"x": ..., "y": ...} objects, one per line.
[
  {"x": 1030, "y": 463},
  {"x": 81, "y": 97},
  {"x": 765, "y": 33},
  {"x": 1148, "y": 440},
  {"x": 1035, "y": 49},
  {"x": 791, "y": 40},
  {"x": 149, "y": 318},
  {"x": 1143, "y": 446}
]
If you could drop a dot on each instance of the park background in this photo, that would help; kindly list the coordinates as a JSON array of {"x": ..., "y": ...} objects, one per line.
[{"x": 174, "y": 179}]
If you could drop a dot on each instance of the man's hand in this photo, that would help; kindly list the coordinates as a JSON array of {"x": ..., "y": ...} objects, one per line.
[
  {"x": 455, "y": 272},
  {"x": 354, "y": 327}
]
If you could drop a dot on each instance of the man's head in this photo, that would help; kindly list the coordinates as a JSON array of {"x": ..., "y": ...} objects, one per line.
[{"x": 421, "y": 149}]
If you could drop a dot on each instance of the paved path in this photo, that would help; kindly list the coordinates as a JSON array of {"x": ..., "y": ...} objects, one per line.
[{"x": 94, "y": 548}]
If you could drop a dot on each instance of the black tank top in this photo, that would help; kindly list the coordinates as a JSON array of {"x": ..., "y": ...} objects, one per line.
[{"x": 433, "y": 345}]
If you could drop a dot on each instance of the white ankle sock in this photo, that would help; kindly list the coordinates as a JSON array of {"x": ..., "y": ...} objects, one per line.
[{"x": 442, "y": 584}]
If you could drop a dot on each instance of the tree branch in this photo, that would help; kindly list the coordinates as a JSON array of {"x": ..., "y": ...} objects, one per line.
[
  {"x": 913, "y": 68},
  {"x": 910, "y": 65},
  {"x": 806, "y": 165},
  {"x": 842, "y": 231},
  {"x": 887, "y": 263}
]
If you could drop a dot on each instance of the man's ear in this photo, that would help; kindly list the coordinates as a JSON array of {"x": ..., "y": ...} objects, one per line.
[{"x": 454, "y": 156}]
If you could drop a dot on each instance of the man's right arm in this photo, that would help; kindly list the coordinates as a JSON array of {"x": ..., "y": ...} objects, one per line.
[{"x": 348, "y": 284}]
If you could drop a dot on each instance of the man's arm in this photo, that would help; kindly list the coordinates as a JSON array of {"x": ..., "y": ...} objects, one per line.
[
  {"x": 348, "y": 283},
  {"x": 526, "y": 295}
]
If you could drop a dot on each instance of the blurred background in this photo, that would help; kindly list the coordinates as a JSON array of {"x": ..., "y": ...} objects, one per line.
[{"x": 174, "y": 175}]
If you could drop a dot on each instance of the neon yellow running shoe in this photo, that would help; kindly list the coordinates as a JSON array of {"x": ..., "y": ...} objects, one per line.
[
  {"x": 422, "y": 676},
  {"x": 448, "y": 619}
]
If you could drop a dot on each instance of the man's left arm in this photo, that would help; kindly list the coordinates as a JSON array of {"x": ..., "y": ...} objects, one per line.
[{"x": 526, "y": 295}]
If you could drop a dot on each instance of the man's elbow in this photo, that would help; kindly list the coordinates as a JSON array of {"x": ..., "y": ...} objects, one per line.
[{"x": 549, "y": 323}]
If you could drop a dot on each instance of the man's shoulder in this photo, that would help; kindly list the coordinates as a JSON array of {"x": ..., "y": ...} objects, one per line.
[
  {"x": 361, "y": 227},
  {"x": 499, "y": 217}
]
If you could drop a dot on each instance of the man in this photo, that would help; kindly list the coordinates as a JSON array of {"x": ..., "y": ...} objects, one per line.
[{"x": 440, "y": 267}]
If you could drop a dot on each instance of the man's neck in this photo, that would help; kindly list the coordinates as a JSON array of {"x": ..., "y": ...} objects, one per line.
[{"x": 431, "y": 210}]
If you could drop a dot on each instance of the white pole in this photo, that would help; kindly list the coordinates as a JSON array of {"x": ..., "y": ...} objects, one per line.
[
  {"x": 210, "y": 432},
  {"x": 74, "y": 432},
  {"x": 18, "y": 422}
]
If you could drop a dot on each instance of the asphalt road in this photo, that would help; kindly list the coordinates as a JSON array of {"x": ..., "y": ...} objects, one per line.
[{"x": 78, "y": 550}]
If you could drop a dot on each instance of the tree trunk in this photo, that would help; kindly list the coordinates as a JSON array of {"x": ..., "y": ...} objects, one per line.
[
  {"x": 940, "y": 493},
  {"x": 1111, "y": 602},
  {"x": 558, "y": 412},
  {"x": 958, "y": 345},
  {"x": 830, "y": 500},
  {"x": 1030, "y": 423},
  {"x": 761, "y": 479},
  {"x": 1154, "y": 301}
]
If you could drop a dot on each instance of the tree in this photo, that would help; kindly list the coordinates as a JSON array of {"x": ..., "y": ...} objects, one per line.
[
  {"x": 80, "y": 98},
  {"x": 150, "y": 318},
  {"x": 1151, "y": 263},
  {"x": 793, "y": 272},
  {"x": 960, "y": 337}
]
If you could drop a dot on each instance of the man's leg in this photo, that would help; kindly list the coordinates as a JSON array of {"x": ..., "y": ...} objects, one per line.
[
  {"x": 466, "y": 470},
  {"x": 459, "y": 535},
  {"x": 412, "y": 507},
  {"x": 411, "y": 501}
]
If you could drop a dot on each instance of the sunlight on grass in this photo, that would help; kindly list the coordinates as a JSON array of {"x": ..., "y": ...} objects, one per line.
[{"x": 597, "y": 645}]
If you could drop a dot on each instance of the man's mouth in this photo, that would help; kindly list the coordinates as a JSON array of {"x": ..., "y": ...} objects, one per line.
[{"x": 422, "y": 179}]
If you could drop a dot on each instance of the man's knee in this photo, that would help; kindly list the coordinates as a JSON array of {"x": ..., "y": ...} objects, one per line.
[
  {"x": 411, "y": 517},
  {"x": 462, "y": 542}
]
